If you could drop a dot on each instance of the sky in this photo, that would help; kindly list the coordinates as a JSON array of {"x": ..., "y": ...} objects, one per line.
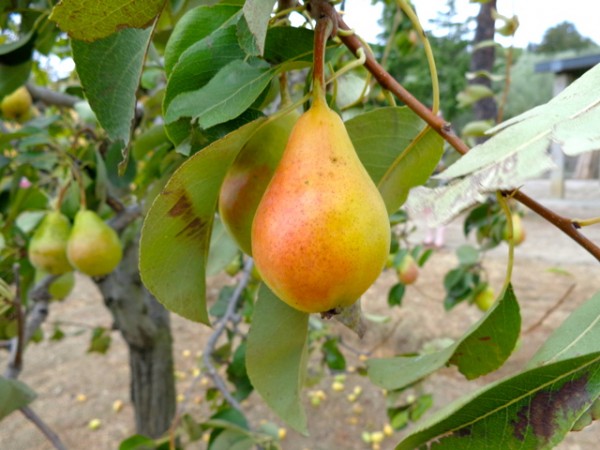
[{"x": 535, "y": 16}]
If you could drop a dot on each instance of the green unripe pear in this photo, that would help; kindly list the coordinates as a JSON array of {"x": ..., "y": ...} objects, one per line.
[
  {"x": 518, "y": 230},
  {"x": 408, "y": 270},
  {"x": 60, "y": 288},
  {"x": 249, "y": 175},
  {"x": 595, "y": 409},
  {"x": 321, "y": 233},
  {"x": 17, "y": 105},
  {"x": 93, "y": 247},
  {"x": 48, "y": 245},
  {"x": 485, "y": 299}
]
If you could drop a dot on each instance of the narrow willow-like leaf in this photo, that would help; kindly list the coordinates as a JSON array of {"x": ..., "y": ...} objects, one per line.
[
  {"x": 110, "y": 71},
  {"x": 90, "y": 20},
  {"x": 14, "y": 395},
  {"x": 484, "y": 348},
  {"x": 276, "y": 356},
  {"x": 533, "y": 410},
  {"x": 177, "y": 229},
  {"x": 578, "y": 335}
]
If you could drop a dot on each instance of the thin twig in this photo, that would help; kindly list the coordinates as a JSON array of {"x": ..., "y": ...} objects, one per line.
[
  {"x": 43, "y": 427},
  {"x": 551, "y": 310},
  {"x": 444, "y": 129},
  {"x": 15, "y": 364},
  {"x": 220, "y": 328}
]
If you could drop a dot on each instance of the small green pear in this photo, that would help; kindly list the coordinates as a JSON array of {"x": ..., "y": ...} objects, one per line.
[
  {"x": 518, "y": 230},
  {"x": 485, "y": 299},
  {"x": 60, "y": 288},
  {"x": 48, "y": 245},
  {"x": 93, "y": 247}
]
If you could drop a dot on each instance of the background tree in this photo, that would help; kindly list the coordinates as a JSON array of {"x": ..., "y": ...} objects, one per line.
[{"x": 561, "y": 37}]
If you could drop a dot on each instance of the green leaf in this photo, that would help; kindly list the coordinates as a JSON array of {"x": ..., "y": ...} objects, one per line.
[
  {"x": 484, "y": 348},
  {"x": 222, "y": 249},
  {"x": 487, "y": 347},
  {"x": 194, "y": 26},
  {"x": 578, "y": 335},
  {"x": 176, "y": 232},
  {"x": 412, "y": 168},
  {"x": 137, "y": 442},
  {"x": 257, "y": 14},
  {"x": 532, "y": 410},
  {"x": 276, "y": 356},
  {"x": 380, "y": 136},
  {"x": 100, "y": 341},
  {"x": 12, "y": 77},
  {"x": 396, "y": 150},
  {"x": 517, "y": 151},
  {"x": 14, "y": 395},
  {"x": 110, "y": 71},
  {"x": 228, "y": 94},
  {"x": 90, "y": 20},
  {"x": 290, "y": 46},
  {"x": 232, "y": 440},
  {"x": 196, "y": 67}
]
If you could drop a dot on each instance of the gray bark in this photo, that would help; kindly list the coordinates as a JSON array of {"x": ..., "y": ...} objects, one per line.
[{"x": 145, "y": 326}]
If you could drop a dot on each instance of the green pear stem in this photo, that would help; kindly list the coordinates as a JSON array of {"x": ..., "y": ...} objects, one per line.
[
  {"x": 322, "y": 32},
  {"x": 78, "y": 177},
  {"x": 61, "y": 195}
]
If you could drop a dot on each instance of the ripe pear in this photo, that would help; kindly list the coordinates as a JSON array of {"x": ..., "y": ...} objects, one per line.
[
  {"x": 60, "y": 288},
  {"x": 485, "y": 299},
  {"x": 93, "y": 247},
  {"x": 249, "y": 175},
  {"x": 321, "y": 233},
  {"x": 17, "y": 105},
  {"x": 408, "y": 271},
  {"x": 518, "y": 230},
  {"x": 48, "y": 245}
]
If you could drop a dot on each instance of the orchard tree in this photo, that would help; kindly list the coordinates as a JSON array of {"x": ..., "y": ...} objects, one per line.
[{"x": 198, "y": 137}]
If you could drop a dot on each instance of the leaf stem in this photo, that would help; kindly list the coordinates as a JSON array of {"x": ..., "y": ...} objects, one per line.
[
  {"x": 435, "y": 84},
  {"x": 511, "y": 238}
]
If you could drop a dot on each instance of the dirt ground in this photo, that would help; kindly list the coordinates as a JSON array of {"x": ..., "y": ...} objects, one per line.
[{"x": 75, "y": 387}]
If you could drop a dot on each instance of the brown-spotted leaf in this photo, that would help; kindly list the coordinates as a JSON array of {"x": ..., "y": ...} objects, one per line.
[{"x": 177, "y": 230}]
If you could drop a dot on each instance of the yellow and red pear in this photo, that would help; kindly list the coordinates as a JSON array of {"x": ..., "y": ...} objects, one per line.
[
  {"x": 94, "y": 247},
  {"x": 249, "y": 175},
  {"x": 321, "y": 233},
  {"x": 48, "y": 246}
]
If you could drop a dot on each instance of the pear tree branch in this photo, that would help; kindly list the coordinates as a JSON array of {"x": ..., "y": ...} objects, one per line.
[{"x": 444, "y": 129}]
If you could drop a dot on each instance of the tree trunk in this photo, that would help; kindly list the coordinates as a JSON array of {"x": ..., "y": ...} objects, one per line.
[
  {"x": 483, "y": 60},
  {"x": 145, "y": 326}
]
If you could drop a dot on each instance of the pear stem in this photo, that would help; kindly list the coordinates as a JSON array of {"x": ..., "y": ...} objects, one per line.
[
  {"x": 61, "y": 195},
  {"x": 79, "y": 179},
  {"x": 322, "y": 32}
]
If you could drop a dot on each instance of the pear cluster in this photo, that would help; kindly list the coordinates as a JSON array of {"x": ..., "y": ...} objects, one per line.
[
  {"x": 320, "y": 233},
  {"x": 89, "y": 246}
]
